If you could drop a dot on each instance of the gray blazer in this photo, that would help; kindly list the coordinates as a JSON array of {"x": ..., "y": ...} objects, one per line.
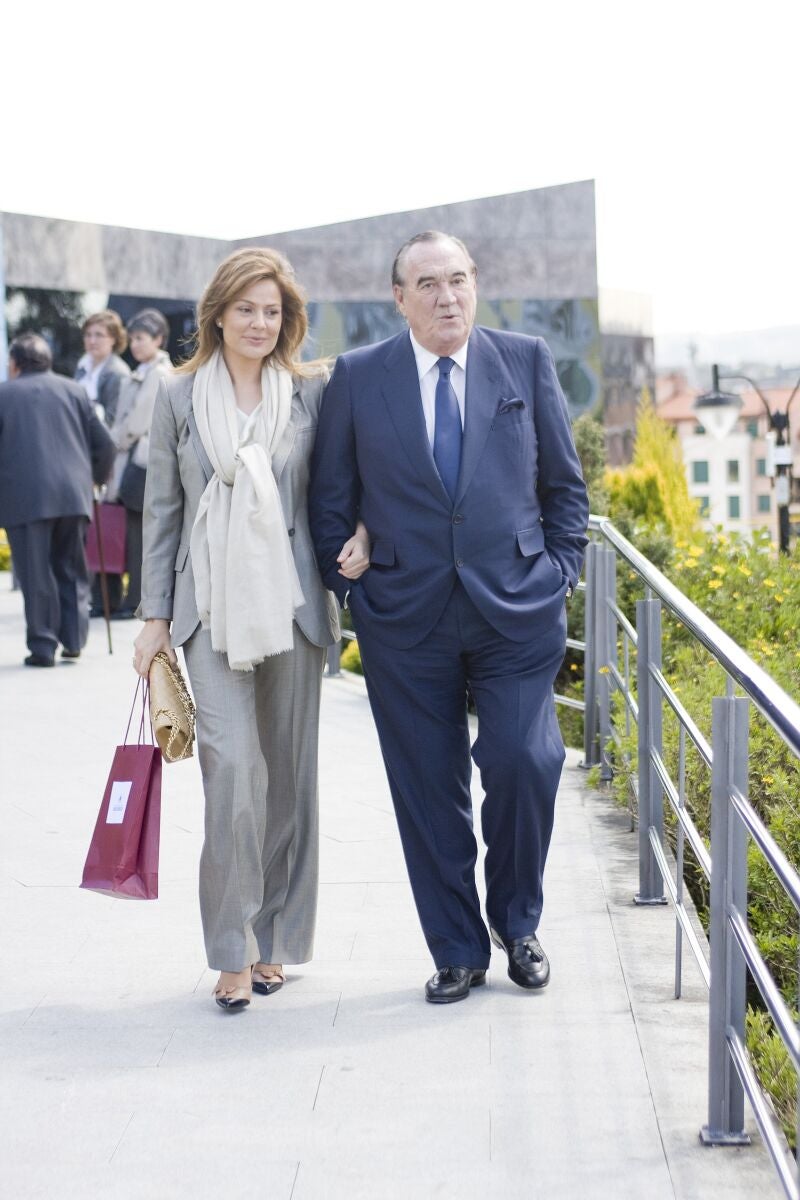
[
  {"x": 177, "y": 474},
  {"x": 114, "y": 373},
  {"x": 52, "y": 446}
]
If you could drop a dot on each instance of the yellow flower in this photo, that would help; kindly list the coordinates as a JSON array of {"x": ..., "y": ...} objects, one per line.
[
  {"x": 604, "y": 670},
  {"x": 744, "y": 570},
  {"x": 769, "y": 583},
  {"x": 696, "y": 551},
  {"x": 780, "y": 599},
  {"x": 767, "y": 779},
  {"x": 723, "y": 539},
  {"x": 714, "y": 584},
  {"x": 573, "y": 666},
  {"x": 718, "y": 569}
]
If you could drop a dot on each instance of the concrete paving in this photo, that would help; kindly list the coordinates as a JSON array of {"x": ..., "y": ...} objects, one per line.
[{"x": 121, "y": 1078}]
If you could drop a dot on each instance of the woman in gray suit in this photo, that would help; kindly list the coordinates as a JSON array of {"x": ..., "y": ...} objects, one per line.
[{"x": 228, "y": 563}]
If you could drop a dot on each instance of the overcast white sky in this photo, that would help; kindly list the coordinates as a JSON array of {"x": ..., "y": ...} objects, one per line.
[{"x": 237, "y": 119}]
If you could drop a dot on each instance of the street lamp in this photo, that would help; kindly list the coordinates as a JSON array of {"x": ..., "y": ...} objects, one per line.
[{"x": 719, "y": 412}]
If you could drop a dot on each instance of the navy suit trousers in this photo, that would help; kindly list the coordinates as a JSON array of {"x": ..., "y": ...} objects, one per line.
[
  {"x": 419, "y": 700},
  {"x": 50, "y": 563}
]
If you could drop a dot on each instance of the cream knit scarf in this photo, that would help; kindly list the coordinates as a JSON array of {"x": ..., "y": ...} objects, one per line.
[{"x": 246, "y": 584}]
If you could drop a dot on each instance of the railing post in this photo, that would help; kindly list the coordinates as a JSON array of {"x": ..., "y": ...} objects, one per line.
[
  {"x": 590, "y": 664},
  {"x": 603, "y": 659},
  {"x": 651, "y": 799},
  {"x": 726, "y": 1009}
]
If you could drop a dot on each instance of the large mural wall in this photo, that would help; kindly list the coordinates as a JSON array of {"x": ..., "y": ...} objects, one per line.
[{"x": 570, "y": 328}]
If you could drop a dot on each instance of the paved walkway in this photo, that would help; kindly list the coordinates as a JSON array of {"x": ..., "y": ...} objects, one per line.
[{"x": 122, "y": 1079}]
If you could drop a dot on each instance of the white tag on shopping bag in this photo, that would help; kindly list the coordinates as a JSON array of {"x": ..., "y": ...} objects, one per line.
[{"x": 118, "y": 802}]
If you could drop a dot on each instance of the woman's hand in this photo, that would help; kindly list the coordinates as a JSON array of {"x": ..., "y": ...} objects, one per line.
[
  {"x": 154, "y": 637},
  {"x": 354, "y": 555}
]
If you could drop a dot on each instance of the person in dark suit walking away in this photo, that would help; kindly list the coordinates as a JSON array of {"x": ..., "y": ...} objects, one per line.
[
  {"x": 53, "y": 446},
  {"x": 452, "y": 444}
]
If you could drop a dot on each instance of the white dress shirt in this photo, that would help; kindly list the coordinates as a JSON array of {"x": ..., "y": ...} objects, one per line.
[{"x": 428, "y": 372}]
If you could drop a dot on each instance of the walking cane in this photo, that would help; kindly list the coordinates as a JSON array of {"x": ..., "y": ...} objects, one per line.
[{"x": 103, "y": 577}]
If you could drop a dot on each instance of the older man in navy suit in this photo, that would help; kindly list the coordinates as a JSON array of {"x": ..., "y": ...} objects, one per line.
[
  {"x": 452, "y": 443},
  {"x": 52, "y": 447}
]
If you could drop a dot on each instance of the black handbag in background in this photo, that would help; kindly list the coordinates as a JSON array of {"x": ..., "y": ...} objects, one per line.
[{"x": 131, "y": 486}]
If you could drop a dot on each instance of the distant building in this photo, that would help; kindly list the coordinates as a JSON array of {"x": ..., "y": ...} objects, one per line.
[
  {"x": 730, "y": 477},
  {"x": 626, "y": 331}
]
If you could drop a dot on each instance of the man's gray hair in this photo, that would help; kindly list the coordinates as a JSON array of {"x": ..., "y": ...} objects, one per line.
[
  {"x": 430, "y": 235},
  {"x": 30, "y": 352}
]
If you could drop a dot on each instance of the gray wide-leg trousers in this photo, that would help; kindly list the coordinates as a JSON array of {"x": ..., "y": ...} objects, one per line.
[{"x": 257, "y": 735}]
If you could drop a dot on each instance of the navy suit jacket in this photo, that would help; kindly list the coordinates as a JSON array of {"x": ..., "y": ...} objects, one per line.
[{"x": 516, "y": 534}]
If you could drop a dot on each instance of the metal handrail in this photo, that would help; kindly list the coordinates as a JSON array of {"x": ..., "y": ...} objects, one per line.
[
  {"x": 733, "y": 949},
  {"x": 782, "y": 712}
]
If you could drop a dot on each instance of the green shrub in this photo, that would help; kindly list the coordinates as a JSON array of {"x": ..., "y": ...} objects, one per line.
[
  {"x": 5, "y": 552},
  {"x": 351, "y": 658},
  {"x": 774, "y": 1068}
]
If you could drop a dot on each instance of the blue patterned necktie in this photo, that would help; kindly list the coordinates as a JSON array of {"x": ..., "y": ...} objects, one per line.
[{"x": 447, "y": 429}]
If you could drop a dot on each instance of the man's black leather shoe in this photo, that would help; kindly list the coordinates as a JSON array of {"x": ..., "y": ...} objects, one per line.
[
  {"x": 452, "y": 983},
  {"x": 39, "y": 660},
  {"x": 527, "y": 962}
]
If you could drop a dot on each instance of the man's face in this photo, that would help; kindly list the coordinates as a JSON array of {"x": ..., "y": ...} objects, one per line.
[{"x": 438, "y": 295}]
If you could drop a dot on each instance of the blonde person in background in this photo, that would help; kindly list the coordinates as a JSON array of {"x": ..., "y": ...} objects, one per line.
[
  {"x": 228, "y": 565},
  {"x": 148, "y": 335}
]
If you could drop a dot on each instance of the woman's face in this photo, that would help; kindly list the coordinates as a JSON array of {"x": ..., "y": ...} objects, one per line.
[
  {"x": 251, "y": 323},
  {"x": 144, "y": 347},
  {"x": 98, "y": 342}
]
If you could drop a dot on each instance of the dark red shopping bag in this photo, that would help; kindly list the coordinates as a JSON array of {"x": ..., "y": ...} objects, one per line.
[
  {"x": 112, "y": 531},
  {"x": 123, "y": 853}
]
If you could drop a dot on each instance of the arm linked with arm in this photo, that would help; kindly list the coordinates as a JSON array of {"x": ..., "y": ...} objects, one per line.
[{"x": 561, "y": 489}]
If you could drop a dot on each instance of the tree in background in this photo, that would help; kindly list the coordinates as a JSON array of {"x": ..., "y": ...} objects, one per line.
[{"x": 653, "y": 492}]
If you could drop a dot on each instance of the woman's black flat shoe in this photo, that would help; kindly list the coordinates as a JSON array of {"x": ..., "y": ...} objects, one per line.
[
  {"x": 267, "y": 982},
  {"x": 233, "y": 999}
]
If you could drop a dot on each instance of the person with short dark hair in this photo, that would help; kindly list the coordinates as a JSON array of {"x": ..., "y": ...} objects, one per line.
[
  {"x": 452, "y": 444},
  {"x": 101, "y": 370},
  {"x": 53, "y": 446},
  {"x": 148, "y": 335}
]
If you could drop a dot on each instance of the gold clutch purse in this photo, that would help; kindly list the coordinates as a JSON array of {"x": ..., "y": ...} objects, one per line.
[{"x": 172, "y": 710}]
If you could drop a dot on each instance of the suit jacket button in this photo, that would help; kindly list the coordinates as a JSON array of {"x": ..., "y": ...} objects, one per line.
[
  {"x": 459, "y": 562},
  {"x": 457, "y": 519},
  {"x": 290, "y": 532}
]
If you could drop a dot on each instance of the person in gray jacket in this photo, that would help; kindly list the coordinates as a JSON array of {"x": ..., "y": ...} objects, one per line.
[
  {"x": 148, "y": 333},
  {"x": 101, "y": 370},
  {"x": 228, "y": 565},
  {"x": 53, "y": 446}
]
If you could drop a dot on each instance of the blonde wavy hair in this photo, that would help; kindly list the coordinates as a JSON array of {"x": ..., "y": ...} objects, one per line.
[{"x": 233, "y": 276}]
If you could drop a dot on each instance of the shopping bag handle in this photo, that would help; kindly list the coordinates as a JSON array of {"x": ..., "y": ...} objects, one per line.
[{"x": 141, "y": 739}]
